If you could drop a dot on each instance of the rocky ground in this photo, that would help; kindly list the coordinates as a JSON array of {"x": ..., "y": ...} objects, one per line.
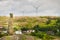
[
  {"x": 18, "y": 37},
  {"x": 22, "y": 37}
]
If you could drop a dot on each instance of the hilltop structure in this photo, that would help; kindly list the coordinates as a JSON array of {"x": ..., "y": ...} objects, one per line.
[{"x": 10, "y": 25}]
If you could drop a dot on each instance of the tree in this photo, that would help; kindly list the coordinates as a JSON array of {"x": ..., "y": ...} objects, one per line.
[{"x": 11, "y": 15}]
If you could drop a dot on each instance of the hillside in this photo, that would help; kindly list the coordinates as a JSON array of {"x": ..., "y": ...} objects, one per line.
[
  {"x": 27, "y": 21},
  {"x": 44, "y": 26},
  {"x": 19, "y": 37}
]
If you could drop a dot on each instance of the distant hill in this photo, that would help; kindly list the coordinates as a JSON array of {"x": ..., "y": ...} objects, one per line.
[{"x": 26, "y": 20}]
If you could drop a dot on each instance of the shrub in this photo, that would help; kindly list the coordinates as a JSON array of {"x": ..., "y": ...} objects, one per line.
[
  {"x": 38, "y": 34},
  {"x": 3, "y": 34},
  {"x": 42, "y": 35}
]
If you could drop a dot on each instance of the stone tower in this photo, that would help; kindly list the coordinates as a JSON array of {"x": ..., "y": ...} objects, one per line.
[{"x": 10, "y": 25}]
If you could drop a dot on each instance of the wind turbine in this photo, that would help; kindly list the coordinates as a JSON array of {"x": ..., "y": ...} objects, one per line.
[
  {"x": 23, "y": 13},
  {"x": 36, "y": 5},
  {"x": 36, "y": 9}
]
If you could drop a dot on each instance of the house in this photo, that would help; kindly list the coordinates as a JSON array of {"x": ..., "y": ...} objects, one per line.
[
  {"x": 18, "y": 32},
  {"x": 28, "y": 31},
  {"x": 4, "y": 31}
]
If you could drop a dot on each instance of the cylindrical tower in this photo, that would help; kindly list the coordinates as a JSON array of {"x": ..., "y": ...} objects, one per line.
[{"x": 10, "y": 25}]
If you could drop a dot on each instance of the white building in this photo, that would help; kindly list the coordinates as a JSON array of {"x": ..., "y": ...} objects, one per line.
[{"x": 18, "y": 32}]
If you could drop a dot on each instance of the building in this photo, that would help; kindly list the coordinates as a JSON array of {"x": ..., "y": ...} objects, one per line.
[{"x": 18, "y": 32}]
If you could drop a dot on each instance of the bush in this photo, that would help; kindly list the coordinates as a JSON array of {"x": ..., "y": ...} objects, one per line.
[
  {"x": 24, "y": 29},
  {"x": 47, "y": 37},
  {"x": 38, "y": 34},
  {"x": 58, "y": 34},
  {"x": 36, "y": 28},
  {"x": 42, "y": 35},
  {"x": 3, "y": 34}
]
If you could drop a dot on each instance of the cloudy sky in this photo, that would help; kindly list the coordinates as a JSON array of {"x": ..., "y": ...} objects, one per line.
[{"x": 30, "y": 7}]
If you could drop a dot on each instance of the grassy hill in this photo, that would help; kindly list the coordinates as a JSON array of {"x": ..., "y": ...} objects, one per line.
[
  {"x": 42, "y": 21},
  {"x": 45, "y": 24}
]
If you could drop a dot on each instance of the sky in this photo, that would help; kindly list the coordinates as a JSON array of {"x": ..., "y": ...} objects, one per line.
[{"x": 30, "y": 7}]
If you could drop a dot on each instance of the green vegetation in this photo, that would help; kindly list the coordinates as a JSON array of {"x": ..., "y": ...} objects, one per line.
[{"x": 41, "y": 25}]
